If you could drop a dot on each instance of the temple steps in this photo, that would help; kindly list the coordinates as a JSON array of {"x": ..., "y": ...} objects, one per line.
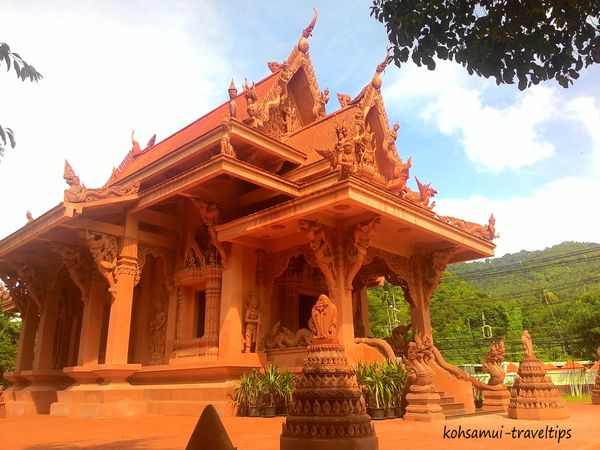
[
  {"x": 456, "y": 410},
  {"x": 187, "y": 407},
  {"x": 478, "y": 412}
]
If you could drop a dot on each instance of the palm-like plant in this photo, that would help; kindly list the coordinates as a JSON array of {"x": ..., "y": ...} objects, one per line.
[{"x": 249, "y": 392}]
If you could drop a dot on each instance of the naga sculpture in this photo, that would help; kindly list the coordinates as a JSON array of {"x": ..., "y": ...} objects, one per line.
[
  {"x": 418, "y": 355},
  {"x": 487, "y": 232},
  {"x": 426, "y": 192},
  {"x": 78, "y": 193},
  {"x": 493, "y": 359},
  {"x": 399, "y": 339},
  {"x": 282, "y": 337}
]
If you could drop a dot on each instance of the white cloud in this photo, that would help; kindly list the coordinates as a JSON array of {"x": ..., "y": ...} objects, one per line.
[
  {"x": 494, "y": 138},
  {"x": 563, "y": 210},
  {"x": 107, "y": 69}
]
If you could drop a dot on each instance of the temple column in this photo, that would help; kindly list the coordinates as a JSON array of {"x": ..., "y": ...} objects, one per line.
[
  {"x": 117, "y": 341},
  {"x": 212, "y": 311},
  {"x": 91, "y": 325},
  {"x": 29, "y": 328},
  {"x": 45, "y": 342},
  {"x": 232, "y": 305}
]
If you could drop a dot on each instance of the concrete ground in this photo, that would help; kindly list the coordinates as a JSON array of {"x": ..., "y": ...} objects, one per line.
[{"x": 580, "y": 431}]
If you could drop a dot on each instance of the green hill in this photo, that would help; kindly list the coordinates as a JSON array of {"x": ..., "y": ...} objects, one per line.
[{"x": 554, "y": 293}]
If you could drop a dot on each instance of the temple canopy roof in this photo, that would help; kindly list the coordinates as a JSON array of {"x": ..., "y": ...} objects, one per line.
[{"x": 269, "y": 156}]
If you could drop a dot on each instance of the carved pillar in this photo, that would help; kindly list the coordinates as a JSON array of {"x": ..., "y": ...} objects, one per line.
[
  {"x": 29, "y": 328},
  {"x": 47, "y": 331},
  {"x": 340, "y": 254},
  {"x": 91, "y": 324},
  {"x": 427, "y": 272},
  {"x": 231, "y": 307},
  {"x": 117, "y": 343},
  {"x": 213, "y": 304}
]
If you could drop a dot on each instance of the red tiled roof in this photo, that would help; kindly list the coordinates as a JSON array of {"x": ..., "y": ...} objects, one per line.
[
  {"x": 320, "y": 134},
  {"x": 570, "y": 364},
  {"x": 196, "y": 129}
]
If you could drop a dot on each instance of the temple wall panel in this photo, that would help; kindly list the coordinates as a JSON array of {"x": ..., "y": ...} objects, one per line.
[{"x": 232, "y": 305}]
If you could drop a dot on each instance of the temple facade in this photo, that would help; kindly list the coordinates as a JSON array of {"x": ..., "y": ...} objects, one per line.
[{"x": 203, "y": 254}]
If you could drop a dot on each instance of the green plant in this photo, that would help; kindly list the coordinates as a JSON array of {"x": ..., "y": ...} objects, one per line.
[
  {"x": 370, "y": 379},
  {"x": 394, "y": 377},
  {"x": 249, "y": 392},
  {"x": 277, "y": 385}
]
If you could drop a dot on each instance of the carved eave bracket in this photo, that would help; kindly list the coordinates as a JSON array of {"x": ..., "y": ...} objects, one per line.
[
  {"x": 359, "y": 241},
  {"x": 321, "y": 243},
  {"x": 212, "y": 216},
  {"x": 104, "y": 249},
  {"x": 431, "y": 267},
  {"x": 73, "y": 260},
  {"x": 78, "y": 193}
]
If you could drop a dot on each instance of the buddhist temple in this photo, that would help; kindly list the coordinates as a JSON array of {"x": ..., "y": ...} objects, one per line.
[{"x": 203, "y": 254}]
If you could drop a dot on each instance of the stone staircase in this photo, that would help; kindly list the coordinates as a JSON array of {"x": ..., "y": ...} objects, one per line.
[{"x": 454, "y": 410}]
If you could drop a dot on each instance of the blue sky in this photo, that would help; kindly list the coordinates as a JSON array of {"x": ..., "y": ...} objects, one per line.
[{"x": 532, "y": 158}]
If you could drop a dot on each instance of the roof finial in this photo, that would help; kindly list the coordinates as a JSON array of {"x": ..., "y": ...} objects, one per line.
[
  {"x": 376, "y": 81},
  {"x": 70, "y": 176},
  {"x": 306, "y": 33},
  {"x": 232, "y": 97},
  {"x": 135, "y": 145}
]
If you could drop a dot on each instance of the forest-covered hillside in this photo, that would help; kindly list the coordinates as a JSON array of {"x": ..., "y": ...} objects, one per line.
[{"x": 554, "y": 293}]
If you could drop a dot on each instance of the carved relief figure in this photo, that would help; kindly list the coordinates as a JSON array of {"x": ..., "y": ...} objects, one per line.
[
  {"x": 343, "y": 156},
  {"x": 527, "y": 344},
  {"x": 324, "y": 318},
  {"x": 29, "y": 216},
  {"x": 157, "y": 338},
  {"x": 426, "y": 192},
  {"x": 493, "y": 359},
  {"x": 322, "y": 100},
  {"x": 251, "y": 320},
  {"x": 226, "y": 147}
]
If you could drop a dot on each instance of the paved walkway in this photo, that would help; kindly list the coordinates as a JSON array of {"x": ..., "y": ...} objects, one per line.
[{"x": 165, "y": 433}]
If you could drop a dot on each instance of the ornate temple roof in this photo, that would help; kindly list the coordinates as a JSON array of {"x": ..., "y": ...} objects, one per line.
[{"x": 270, "y": 155}]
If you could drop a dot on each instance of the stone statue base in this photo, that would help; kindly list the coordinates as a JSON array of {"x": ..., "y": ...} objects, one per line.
[
  {"x": 423, "y": 406},
  {"x": 328, "y": 409},
  {"x": 596, "y": 391},
  {"x": 496, "y": 400},
  {"x": 533, "y": 395}
]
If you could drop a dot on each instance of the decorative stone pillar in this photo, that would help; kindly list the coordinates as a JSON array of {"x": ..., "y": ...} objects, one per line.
[
  {"x": 534, "y": 396},
  {"x": 596, "y": 388},
  {"x": 213, "y": 305},
  {"x": 328, "y": 407}
]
